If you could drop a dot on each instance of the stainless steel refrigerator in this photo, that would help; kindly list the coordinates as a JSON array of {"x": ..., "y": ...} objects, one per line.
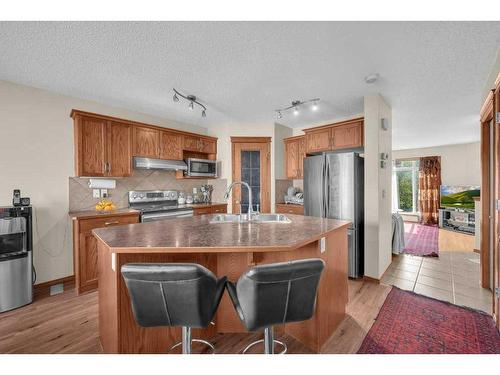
[{"x": 334, "y": 188}]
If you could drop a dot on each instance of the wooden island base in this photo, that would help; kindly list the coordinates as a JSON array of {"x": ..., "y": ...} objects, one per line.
[{"x": 119, "y": 332}]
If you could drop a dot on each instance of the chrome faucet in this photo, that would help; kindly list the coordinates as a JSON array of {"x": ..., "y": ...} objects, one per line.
[{"x": 250, "y": 205}]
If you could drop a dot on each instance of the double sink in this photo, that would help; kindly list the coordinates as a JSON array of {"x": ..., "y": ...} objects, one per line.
[{"x": 254, "y": 218}]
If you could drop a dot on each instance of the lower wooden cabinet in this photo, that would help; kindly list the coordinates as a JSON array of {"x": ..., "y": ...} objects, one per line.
[
  {"x": 85, "y": 246},
  {"x": 296, "y": 209},
  {"x": 208, "y": 210}
]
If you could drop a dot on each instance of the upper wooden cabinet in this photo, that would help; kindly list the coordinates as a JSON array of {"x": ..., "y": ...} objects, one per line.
[
  {"x": 146, "y": 142},
  {"x": 170, "y": 146},
  {"x": 295, "y": 152},
  {"x": 347, "y": 136},
  {"x": 318, "y": 140},
  {"x": 102, "y": 148},
  {"x": 105, "y": 146},
  {"x": 338, "y": 136},
  {"x": 119, "y": 149}
]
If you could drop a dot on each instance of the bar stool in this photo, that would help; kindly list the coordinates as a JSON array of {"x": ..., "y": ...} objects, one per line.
[
  {"x": 173, "y": 294},
  {"x": 276, "y": 293}
]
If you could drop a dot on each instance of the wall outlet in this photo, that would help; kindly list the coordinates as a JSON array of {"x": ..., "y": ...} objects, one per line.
[
  {"x": 322, "y": 244},
  {"x": 104, "y": 193},
  {"x": 96, "y": 193}
]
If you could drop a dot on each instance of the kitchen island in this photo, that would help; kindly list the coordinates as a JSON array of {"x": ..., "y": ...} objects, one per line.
[{"x": 227, "y": 249}]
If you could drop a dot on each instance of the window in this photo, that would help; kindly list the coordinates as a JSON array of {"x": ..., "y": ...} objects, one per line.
[{"x": 405, "y": 185}]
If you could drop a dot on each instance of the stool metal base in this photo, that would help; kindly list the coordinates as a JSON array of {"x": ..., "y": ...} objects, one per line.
[
  {"x": 187, "y": 341},
  {"x": 269, "y": 342}
]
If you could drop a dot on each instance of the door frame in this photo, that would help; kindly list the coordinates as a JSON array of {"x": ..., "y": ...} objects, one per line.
[
  {"x": 490, "y": 194},
  {"x": 262, "y": 144}
]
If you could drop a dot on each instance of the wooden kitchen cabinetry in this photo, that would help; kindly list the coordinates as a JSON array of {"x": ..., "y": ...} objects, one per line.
[
  {"x": 85, "y": 244},
  {"x": 102, "y": 147},
  {"x": 295, "y": 152},
  {"x": 296, "y": 209},
  {"x": 105, "y": 145},
  {"x": 338, "y": 136},
  {"x": 146, "y": 142},
  {"x": 211, "y": 209}
]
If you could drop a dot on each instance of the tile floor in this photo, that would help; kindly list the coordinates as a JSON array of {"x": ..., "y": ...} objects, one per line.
[{"x": 453, "y": 277}]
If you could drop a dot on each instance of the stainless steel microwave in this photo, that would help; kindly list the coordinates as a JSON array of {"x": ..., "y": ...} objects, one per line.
[{"x": 201, "y": 167}]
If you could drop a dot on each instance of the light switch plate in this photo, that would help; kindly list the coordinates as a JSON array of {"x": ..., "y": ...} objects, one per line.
[
  {"x": 96, "y": 193},
  {"x": 322, "y": 244}
]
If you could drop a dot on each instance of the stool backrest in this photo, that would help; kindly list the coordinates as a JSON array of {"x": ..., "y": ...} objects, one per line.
[
  {"x": 279, "y": 293},
  {"x": 170, "y": 294}
]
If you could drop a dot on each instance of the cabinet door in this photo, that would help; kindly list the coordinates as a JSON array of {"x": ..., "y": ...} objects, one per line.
[
  {"x": 208, "y": 146},
  {"x": 146, "y": 142},
  {"x": 192, "y": 143},
  {"x": 302, "y": 155},
  {"x": 170, "y": 146},
  {"x": 222, "y": 209},
  {"x": 88, "y": 262},
  {"x": 119, "y": 148},
  {"x": 202, "y": 211},
  {"x": 319, "y": 140},
  {"x": 347, "y": 136},
  {"x": 91, "y": 157},
  {"x": 292, "y": 159}
]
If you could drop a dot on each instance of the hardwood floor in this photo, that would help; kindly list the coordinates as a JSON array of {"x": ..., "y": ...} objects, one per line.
[
  {"x": 67, "y": 323},
  {"x": 454, "y": 241}
]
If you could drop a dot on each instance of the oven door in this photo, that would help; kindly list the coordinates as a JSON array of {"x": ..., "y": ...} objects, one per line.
[
  {"x": 201, "y": 167},
  {"x": 13, "y": 238},
  {"x": 164, "y": 215}
]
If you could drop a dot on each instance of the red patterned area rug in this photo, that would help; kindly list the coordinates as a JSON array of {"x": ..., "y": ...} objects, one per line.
[
  {"x": 409, "y": 323},
  {"x": 421, "y": 240}
]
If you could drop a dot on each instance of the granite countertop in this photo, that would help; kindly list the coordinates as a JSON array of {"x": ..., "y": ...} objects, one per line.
[
  {"x": 129, "y": 211},
  {"x": 95, "y": 214},
  {"x": 196, "y": 234}
]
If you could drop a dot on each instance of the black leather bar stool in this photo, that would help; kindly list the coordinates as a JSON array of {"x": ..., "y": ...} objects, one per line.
[
  {"x": 276, "y": 293},
  {"x": 173, "y": 294}
]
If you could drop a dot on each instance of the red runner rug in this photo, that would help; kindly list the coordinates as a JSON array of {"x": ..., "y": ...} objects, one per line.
[
  {"x": 409, "y": 323},
  {"x": 421, "y": 240}
]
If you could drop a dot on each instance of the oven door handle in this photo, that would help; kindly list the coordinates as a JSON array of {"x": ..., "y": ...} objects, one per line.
[{"x": 166, "y": 215}]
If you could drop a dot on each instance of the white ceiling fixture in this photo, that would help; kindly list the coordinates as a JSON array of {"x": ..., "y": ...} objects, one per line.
[
  {"x": 434, "y": 73},
  {"x": 295, "y": 107},
  {"x": 372, "y": 78},
  {"x": 192, "y": 100}
]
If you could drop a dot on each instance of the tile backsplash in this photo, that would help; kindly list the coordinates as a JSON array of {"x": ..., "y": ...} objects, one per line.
[
  {"x": 80, "y": 195},
  {"x": 280, "y": 190}
]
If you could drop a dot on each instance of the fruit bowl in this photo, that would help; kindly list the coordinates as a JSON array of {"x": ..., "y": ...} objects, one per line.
[{"x": 105, "y": 205}]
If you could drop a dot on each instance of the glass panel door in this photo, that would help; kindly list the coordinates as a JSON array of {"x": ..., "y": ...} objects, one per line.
[{"x": 250, "y": 173}]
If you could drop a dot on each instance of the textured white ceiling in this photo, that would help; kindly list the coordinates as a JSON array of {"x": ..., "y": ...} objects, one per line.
[{"x": 432, "y": 74}]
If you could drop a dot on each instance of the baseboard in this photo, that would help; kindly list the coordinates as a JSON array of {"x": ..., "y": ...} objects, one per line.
[
  {"x": 369, "y": 279},
  {"x": 42, "y": 287}
]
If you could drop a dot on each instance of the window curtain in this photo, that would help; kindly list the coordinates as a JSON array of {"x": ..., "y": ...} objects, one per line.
[{"x": 429, "y": 181}]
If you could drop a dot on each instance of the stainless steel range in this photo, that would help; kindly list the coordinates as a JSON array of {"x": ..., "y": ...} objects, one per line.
[{"x": 157, "y": 205}]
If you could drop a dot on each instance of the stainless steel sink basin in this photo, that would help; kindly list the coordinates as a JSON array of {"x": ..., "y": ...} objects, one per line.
[{"x": 243, "y": 218}]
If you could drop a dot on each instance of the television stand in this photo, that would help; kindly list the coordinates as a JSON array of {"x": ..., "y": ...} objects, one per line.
[{"x": 463, "y": 221}]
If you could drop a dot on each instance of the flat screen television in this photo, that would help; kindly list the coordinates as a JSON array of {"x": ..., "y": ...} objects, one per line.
[{"x": 461, "y": 197}]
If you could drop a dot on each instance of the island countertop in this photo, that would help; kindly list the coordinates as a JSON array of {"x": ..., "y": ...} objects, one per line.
[{"x": 197, "y": 234}]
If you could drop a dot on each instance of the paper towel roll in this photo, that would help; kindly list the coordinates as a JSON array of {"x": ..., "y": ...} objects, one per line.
[{"x": 102, "y": 183}]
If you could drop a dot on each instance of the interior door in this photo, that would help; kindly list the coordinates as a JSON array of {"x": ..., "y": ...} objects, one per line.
[
  {"x": 251, "y": 164},
  {"x": 496, "y": 251}
]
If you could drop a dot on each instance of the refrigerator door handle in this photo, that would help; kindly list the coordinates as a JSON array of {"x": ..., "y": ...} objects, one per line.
[
  {"x": 327, "y": 188},
  {"x": 324, "y": 200}
]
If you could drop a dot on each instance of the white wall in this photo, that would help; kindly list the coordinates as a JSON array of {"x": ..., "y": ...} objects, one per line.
[
  {"x": 224, "y": 132},
  {"x": 460, "y": 164},
  {"x": 377, "y": 187},
  {"x": 280, "y": 132},
  {"x": 36, "y": 156}
]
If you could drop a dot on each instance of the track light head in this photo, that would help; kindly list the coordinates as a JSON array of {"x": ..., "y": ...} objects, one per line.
[
  {"x": 280, "y": 115},
  {"x": 175, "y": 98},
  {"x": 295, "y": 110},
  {"x": 203, "y": 114},
  {"x": 315, "y": 106},
  {"x": 191, "y": 106}
]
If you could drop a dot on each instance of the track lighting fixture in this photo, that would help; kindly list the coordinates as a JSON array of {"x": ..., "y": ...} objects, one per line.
[
  {"x": 295, "y": 106},
  {"x": 192, "y": 101}
]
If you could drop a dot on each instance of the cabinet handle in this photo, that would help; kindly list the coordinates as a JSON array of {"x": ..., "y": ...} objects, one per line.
[{"x": 111, "y": 222}]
